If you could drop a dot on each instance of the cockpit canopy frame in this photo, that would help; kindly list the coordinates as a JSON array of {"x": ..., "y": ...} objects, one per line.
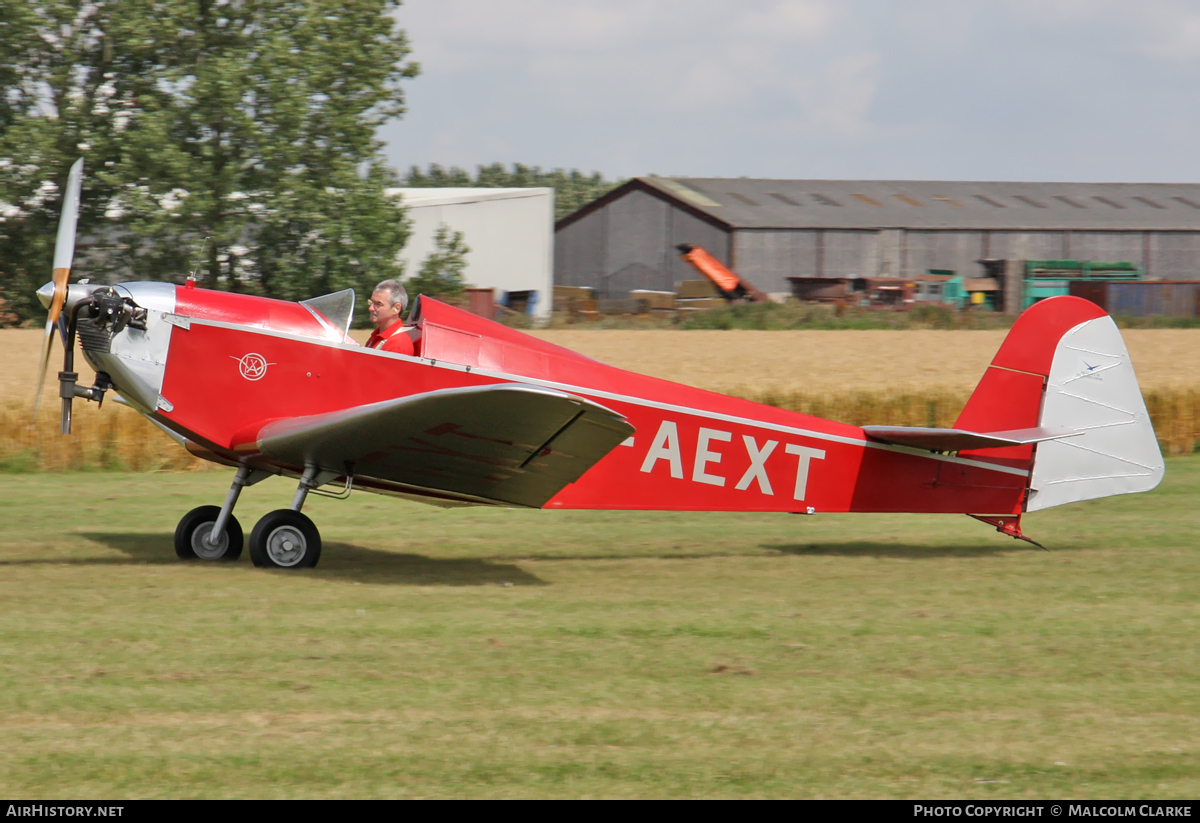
[{"x": 334, "y": 310}]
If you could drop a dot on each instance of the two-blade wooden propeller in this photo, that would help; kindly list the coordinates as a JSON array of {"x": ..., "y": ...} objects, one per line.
[{"x": 64, "y": 253}]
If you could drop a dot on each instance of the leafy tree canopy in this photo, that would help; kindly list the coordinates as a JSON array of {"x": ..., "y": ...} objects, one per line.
[
  {"x": 250, "y": 122},
  {"x": 572, "y": 189}
]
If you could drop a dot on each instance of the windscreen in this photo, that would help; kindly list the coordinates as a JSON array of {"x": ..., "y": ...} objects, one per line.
[{"x": 337, "y": 309}]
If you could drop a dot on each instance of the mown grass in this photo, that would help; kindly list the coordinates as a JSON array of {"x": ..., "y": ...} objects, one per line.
[{"x": 499, "y": 653}]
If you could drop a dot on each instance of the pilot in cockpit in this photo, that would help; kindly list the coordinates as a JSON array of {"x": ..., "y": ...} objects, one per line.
[{"x": 387, "y": 304}]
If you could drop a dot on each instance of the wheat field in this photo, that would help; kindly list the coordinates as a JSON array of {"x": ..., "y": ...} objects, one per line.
[
  {"x": 816, "y": 362},
  {"x": 897, "y": 378},
  {"x": 836, "y": 362},
  {"x": 914, "y": 378}
]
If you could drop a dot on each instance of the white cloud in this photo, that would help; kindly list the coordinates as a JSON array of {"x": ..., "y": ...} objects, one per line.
[
  {"x": 841, "y": 101},
  {"x": 1167, "y": 30},
  {"x": 944, "y": 26},
  {"x": 458, "y": 27},
  {"x": 787, "y": 21},
  {"x": 850, "y": 88},
  {"x": 684, "y": 55},
  {"x": 1170, "y": 31}
]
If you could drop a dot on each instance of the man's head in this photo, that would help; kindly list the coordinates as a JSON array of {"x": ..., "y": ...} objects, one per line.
[{"x": 388, "y": 302}]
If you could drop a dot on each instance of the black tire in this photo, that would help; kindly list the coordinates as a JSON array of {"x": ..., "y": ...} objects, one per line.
[
  {"x": 285, "y": 539},
  {"x": 196, "y": 525}
]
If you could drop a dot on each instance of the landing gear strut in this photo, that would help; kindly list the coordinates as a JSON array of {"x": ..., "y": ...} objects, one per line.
[
  {"x": 211, "y": 532},
  {"x": 193, "y": 536},
  {"x": 282, "y": 539},
  {"x": 285, "y": 538}
]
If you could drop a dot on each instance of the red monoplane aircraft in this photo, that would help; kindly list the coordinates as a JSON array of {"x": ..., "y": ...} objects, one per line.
[{"x": 485, "y": 415}]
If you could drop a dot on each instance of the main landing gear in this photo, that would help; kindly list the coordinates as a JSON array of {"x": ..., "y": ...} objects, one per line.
[
  {"x": 211, "y": 533},
  {"x": 282, "y": 539}
]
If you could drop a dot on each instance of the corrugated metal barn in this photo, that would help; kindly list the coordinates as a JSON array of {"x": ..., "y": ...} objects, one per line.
[{"x": 769, "y": 230}]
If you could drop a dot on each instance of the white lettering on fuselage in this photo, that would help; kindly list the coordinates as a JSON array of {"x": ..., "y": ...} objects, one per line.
[
  {"x": 806, "y": 456},
  {"x": 758, "y": 469},
  {"x": 704, "y": 456},
  {"x": 666, "y": 447}
]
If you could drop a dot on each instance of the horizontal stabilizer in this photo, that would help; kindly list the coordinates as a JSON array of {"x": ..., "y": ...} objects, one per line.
[{"x": 953, "y": 440}]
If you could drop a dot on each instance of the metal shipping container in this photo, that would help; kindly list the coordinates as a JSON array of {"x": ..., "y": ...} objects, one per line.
[{"x": 1145, "y": 298}]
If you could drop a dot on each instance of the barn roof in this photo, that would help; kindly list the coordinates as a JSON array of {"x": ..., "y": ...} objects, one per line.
[
  {"x": 744, "y": 203},
  {"x": 460, "y": 194}
]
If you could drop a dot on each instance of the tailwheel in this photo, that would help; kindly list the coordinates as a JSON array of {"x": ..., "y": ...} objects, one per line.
[
  {"x": 285, "y": 539},
  {"x": 193, "y": 536}
]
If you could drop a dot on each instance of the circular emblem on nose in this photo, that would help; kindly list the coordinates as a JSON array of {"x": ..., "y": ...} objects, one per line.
[{"x": 253, "y": 366}]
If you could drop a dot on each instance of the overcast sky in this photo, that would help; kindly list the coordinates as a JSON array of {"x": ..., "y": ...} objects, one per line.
[{"x": 1042, "y": 90}]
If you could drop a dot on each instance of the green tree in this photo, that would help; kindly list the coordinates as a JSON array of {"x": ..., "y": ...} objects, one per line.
[
  {"x": 250, "y": 122},
  {"x": 572, "y": 189},
  {"x": 441, "y": 273}
]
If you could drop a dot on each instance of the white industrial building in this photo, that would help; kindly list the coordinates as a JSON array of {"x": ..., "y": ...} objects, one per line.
[{"x": 510, "y": 233}]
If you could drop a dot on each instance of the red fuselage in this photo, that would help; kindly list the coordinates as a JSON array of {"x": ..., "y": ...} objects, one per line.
[{"x": 243, "y": 362}]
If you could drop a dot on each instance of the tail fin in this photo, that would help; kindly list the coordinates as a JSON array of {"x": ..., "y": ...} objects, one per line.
[{"x": 1065, "y": 366}]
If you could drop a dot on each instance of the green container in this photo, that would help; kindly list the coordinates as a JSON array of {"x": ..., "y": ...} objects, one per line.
[
  {"x": 1053, "y": 265},
  {"x": 1049, "y": 278},
  {"x": 1126, "y": 271},
  {"x": 1035, "y": 291}
]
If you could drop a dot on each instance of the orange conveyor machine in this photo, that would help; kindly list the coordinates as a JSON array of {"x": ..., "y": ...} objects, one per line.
[{"x": 730, "y": 284}]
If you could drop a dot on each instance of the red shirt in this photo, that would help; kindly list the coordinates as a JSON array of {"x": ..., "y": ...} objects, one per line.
[{"x": 393, "y": 339}]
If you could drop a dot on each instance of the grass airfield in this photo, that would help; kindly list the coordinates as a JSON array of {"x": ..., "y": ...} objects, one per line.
[{"x": 502, "y": 653}]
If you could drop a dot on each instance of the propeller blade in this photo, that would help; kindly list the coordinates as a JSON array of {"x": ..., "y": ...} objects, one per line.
[{"x": 64, "y": 253}]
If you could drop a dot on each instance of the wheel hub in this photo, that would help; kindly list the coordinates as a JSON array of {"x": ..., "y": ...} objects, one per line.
[
  {"x": 286, "y": 546},
  {"x": 203, "y": 548}
]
